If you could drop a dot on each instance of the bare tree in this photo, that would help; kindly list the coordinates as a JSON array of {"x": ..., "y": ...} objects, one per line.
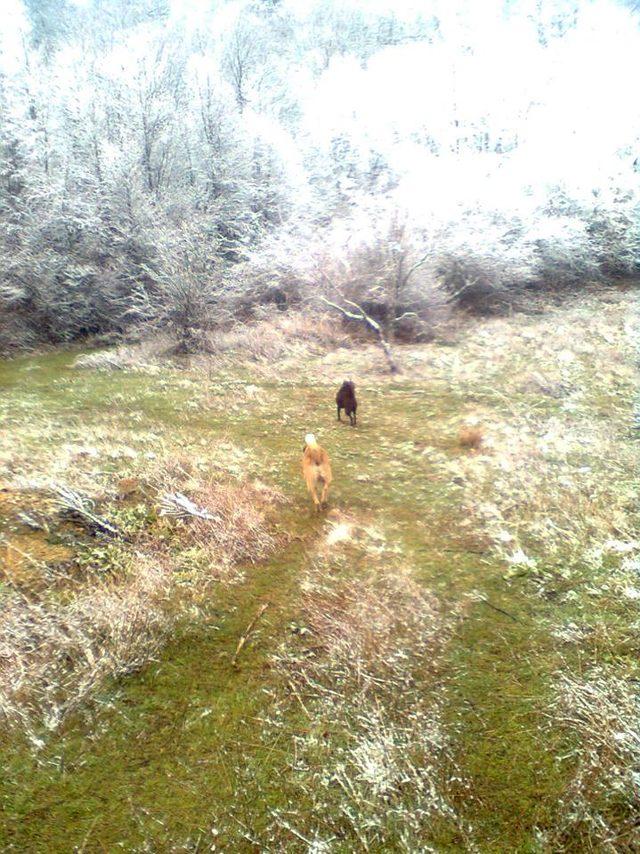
[
  {"x": 187, "y": 286},
  {"x": 356, "y": 313},
  {"x": 242, "y": 55}
]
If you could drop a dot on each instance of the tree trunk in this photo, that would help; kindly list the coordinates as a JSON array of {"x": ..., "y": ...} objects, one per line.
[{"x": 363, "y": 317}]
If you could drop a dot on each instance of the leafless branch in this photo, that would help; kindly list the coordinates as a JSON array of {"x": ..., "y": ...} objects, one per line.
[{"x": 369, "y": 321}]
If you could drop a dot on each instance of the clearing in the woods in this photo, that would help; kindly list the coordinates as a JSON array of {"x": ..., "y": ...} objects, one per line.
[{"x": 446, "y": 659}]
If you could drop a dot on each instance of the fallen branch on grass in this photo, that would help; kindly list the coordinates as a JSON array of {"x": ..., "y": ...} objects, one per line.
[
  {"x": 178, "y": 505},
  {"x": 495, "y": 608},
  {"x": 82, "y": 507},
  {"x": 247, "y": 633},
  {"x": 296, "y": 694}
]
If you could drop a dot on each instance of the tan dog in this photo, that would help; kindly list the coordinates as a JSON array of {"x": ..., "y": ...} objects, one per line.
[{"x": 316, "y": 469}]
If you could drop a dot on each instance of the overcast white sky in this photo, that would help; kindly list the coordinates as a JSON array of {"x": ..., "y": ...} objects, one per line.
[
  {"x": 572, "y": 103},
  {"x": 13, "y": 26}
]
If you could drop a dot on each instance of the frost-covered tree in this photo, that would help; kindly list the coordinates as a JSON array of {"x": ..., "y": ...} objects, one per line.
[{"x": 509, "y": 149}]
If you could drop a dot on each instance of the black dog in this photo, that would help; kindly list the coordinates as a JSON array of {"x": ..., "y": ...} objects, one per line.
[{"x": 346, "y": 399}]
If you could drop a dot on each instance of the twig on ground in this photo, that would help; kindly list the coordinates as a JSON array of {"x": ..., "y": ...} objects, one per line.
[
  {"x": 299, "y": 699},
  {"x": 247, "y": 633},
  {"x": 499, "y": 610}
]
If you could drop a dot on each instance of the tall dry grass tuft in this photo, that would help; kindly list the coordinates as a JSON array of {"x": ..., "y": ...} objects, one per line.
[
  {"x": 239, "y": 527},
  {"x": 361, "y": 623},
  {"x": 144, "y": 355},
  {"x": 281, "y": 335},
  {"x": 470, "y": 438},
  {"x": 53, "y": 655}
]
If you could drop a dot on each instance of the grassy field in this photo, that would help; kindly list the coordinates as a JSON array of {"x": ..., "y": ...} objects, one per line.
[{"x": 445, "y": 659}]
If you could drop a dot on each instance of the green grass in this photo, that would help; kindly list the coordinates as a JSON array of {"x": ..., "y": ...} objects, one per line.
[{"x": 175, "y": 757}]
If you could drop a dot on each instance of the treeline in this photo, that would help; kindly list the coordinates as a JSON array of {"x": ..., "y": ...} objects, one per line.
[{"x": 178, "y": 165}]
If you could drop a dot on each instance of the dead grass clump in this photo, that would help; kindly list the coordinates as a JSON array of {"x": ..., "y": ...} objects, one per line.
[
  {"x": 125, "y": 594},
  {"x": 599, "y": 810},
  {"x": 186, "y": 472},
  {"x": 316, "y": 329},
  {"x": 178, "y": 472},
  {"x": 105, "y": 360},
  {"x": 134, "y": 357},
  {"x": 470, "y": 438},
  {"x": 360, "y": 623},
  {"x": 262, "y": 341},
  {"x": 237, "y": 528},
  {"x": 281, "y": 335},
  {"x": 230, "y": 521},
  {"x": 54, "y": 654},
  {"x": 364, "y": 616}
]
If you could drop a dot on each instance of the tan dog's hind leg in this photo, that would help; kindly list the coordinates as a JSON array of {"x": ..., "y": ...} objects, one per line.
[{"x": 311, "y": 486}]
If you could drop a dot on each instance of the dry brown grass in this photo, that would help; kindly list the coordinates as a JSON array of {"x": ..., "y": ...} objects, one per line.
[
  {"x": 144, "y": 356},
  {"x": 53, "y": 654},
  {"x": 282, "y": 335},
  {"x": 239, "y": 530},
  {"x": 277, "y": 336},
  {"x": 555, "y": 488},
  {"x": 470, "y": 438},
  {"x": 359, "y": 622},
  {"x": 569, "y": 435},
  {"x": 518, "y": 490},
  {"x": 57, "y": 646},
  {"x": 359, "y": 618}
]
